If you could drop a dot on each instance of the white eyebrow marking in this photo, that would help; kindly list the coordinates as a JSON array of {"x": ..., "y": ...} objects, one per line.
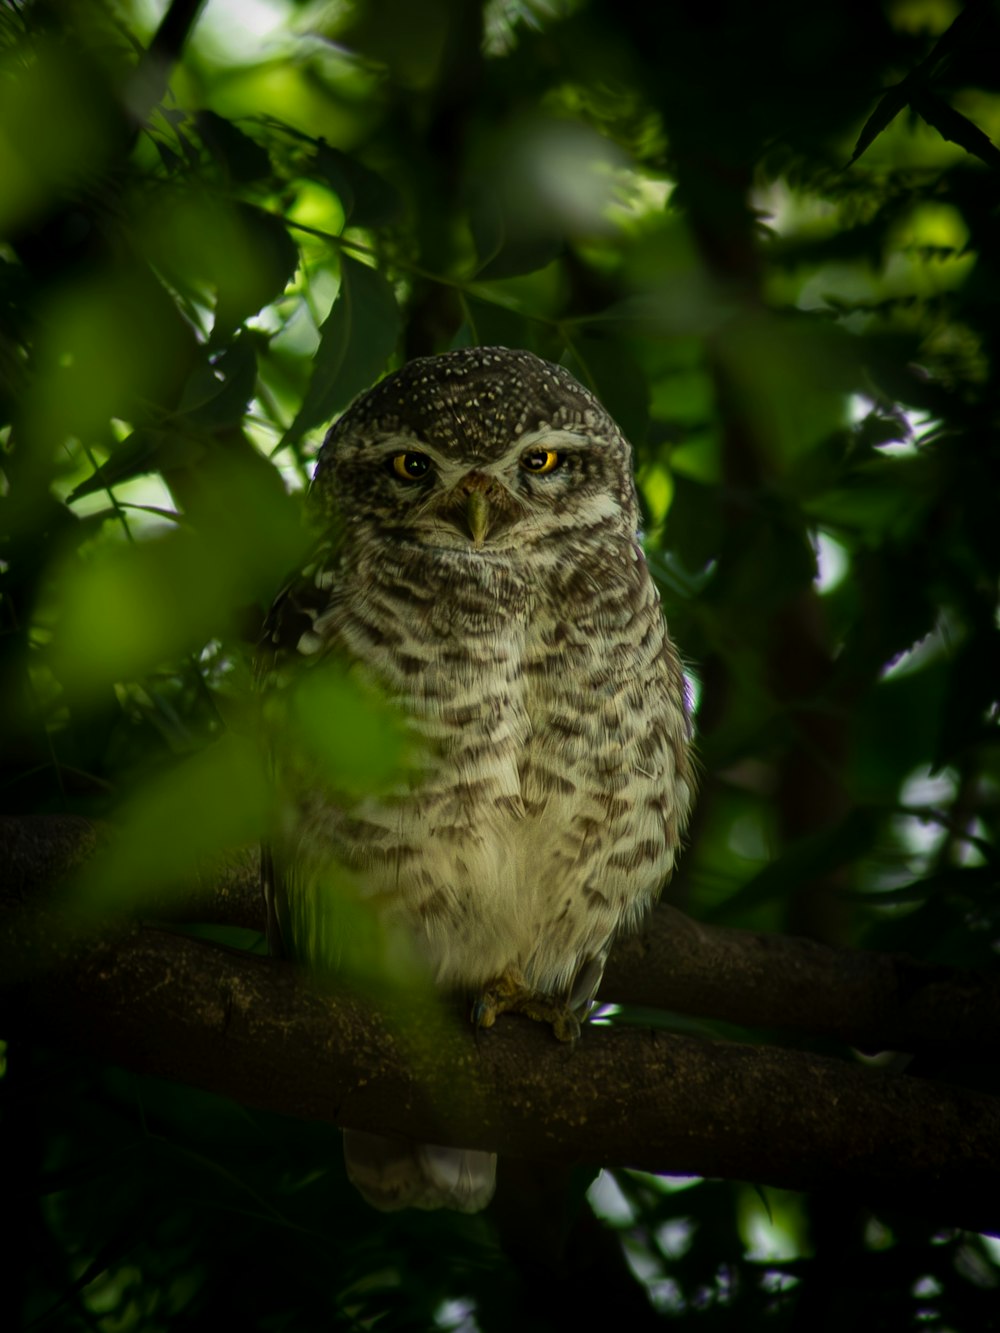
[
  {"x": 404, "y": 444},
  {"x": 550, "y": 438}
]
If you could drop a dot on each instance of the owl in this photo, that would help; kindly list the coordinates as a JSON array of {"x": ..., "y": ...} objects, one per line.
[{"x": 481, "y": 566}]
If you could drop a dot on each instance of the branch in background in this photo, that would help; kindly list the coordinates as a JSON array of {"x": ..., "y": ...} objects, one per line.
[
  {"x": 149, "y": 82},
  {"x": 871, "y": 1001}
]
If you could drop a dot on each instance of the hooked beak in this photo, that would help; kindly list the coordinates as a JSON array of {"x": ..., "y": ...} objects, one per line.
[
  {"x": 477, "y": 515},
  {"x": 479, "y": 507}
]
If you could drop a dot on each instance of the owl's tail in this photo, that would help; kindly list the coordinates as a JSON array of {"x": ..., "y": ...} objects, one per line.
[{"x": 396, "y": 1173}]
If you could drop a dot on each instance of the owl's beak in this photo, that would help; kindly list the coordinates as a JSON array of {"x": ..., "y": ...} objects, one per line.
[
  {"x": 479, "y": 507},
  {"x": 477, "y": 515}
]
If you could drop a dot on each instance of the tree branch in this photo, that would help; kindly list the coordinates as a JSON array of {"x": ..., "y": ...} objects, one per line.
[
  {"x": 871, "y": 1001},
  {"x": 149, "y": 81},
  {"x": 255, "y": 1030}
]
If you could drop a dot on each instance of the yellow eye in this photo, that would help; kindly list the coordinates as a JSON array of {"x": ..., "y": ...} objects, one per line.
[
  {"x": 411, "y": 466},
  {"x": 540, "y": 460}
]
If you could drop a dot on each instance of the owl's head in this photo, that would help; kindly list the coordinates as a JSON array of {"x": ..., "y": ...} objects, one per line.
[{"x": 480, "y": 450}]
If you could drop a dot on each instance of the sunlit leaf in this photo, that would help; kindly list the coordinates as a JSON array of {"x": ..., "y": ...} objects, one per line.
[
  {"x": 127, "y": 609},
  {"x": 355, "y": 739}
]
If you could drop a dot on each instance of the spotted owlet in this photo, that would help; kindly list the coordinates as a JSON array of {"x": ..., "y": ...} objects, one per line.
[{"x": 482, "y": 566}]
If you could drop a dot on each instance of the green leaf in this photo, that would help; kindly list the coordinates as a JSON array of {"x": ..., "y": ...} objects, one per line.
[
  {"x": 491, "y": 324},
  {"x": 355, "y": 738},
  {"x": 264, "y": 261},
  {"x": 207, "y": 804},
  {"x": 242, "y": 157},
  {"x": 357, "y": 339},
  {"x": 609, "y": 370},
  {"x": 696, "y": 522},
  {"x": 367, "y": 198},
  {"x": 916, "y": 84},
  {"x": 890, "y": 105},
  {"x": 764, "y": 1201},
  {"x": 144, "y": 450},
  {"x": 504, "y": 249},
  {"x": 955, "y": 127},
  {"x": 128, "y": 609},
  {"x": 217, "y": 393},
  {"x": 514, "y": 258}
]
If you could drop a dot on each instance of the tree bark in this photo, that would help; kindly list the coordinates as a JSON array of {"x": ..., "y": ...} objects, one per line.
[
  {"x": 258, "y": 1031},
  {"x": 875, "y": 1002}
]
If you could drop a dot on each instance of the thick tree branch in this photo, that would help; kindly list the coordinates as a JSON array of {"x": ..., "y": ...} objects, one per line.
[
  {"x": 871, "y": 1001},
  {"x": 257, "y": 1031}
]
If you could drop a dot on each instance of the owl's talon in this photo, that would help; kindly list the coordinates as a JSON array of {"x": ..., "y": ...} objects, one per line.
[
  {"x": 509, "y": 994},
  {"x": 566, "y": 1027}
]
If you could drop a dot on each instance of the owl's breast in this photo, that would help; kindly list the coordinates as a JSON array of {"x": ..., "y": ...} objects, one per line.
[{"x": 550, "y": 807}]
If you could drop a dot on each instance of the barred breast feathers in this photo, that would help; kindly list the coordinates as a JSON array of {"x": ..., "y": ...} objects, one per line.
[{"x": 552, "y": 812}]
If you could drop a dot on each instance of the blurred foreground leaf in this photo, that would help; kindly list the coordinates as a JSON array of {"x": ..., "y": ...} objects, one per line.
[{"x": 208, "y": 803}]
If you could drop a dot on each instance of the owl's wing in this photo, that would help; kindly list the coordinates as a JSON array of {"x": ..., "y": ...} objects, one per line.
[
  {"x": 287, "y": 628},
  {"x": 285, "y": 638}
]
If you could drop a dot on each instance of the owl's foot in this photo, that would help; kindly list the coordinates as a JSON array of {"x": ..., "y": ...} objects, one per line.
[{"x": 509, "y": 994}]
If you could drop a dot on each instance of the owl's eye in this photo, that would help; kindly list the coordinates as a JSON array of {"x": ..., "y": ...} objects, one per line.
[
  {"x": 540, "y": 461},
  {"x": 411, "y": 466}
]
